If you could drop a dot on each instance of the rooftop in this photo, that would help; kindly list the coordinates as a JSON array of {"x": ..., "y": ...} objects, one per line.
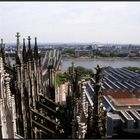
[{"x": 123, "y": 100}]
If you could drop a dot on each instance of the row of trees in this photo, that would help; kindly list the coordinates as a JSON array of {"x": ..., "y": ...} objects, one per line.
[
  {"x": 83, "y": 73},
  {"x": 135, "y": 69}
]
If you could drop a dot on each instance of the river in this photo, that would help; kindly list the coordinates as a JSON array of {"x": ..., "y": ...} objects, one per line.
[{"x": 91, "y": 63}]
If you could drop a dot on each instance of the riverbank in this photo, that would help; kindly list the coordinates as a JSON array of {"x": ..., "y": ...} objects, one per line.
[
  {"x": 102, "y": 62},
  {"x": 101, "y": 58}
]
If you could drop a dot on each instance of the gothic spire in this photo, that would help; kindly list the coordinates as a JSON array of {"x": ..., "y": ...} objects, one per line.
[
  {"x": 1, "y": 42},
  {"x": 2, "y": 51},
  {"x": 36, "y": 49},
  {"x": 29, "y": 44},
  {"x": 29, "y": 49},
  {"x": 18, "y": 44},
  {"x": 18, "y": 49},
  {"x": 72, "y": 67},
  {"x": 24, "y": 56}
]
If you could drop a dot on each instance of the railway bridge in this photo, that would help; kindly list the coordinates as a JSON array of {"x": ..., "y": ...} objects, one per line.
[{"x": 51, "y": 63}]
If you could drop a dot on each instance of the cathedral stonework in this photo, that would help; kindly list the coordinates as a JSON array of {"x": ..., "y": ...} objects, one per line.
[
  {"x": 7, "y": 104},
  {"x": 25, "y": 110}
]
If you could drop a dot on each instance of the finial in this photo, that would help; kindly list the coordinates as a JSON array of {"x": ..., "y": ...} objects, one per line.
[
  {"x": 72, "y": 67},
  {"x": 23, "y": 42},
  {"x": 36, "y": 49},
  {"x": 24, "y": 48},
  {"x": 29, "y": 46},
  {"x": 35, "y": 41},
  {"x": 24, "y": 51},
  {"x": 18, "y": 35},
  {"x": 29, "y": 38},
  {"x": 18, "y": 44}
]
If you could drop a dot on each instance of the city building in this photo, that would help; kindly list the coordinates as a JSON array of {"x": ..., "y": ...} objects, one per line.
[{"x": 83, "y": 53}]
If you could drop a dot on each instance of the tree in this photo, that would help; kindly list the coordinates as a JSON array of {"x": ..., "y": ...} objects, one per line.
[
  {"x": 61, "y": 78},
  {"x": 82, "y": 71}
]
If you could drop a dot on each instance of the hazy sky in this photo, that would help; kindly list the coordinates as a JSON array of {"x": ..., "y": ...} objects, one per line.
[{"x": 106, "y": 22}]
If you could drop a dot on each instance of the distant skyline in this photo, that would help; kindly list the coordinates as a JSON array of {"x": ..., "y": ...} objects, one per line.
[{"x": 71, "y": 22}]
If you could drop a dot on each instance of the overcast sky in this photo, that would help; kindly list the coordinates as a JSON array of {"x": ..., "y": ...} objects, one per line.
[{"x": 52, "y": 22}]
